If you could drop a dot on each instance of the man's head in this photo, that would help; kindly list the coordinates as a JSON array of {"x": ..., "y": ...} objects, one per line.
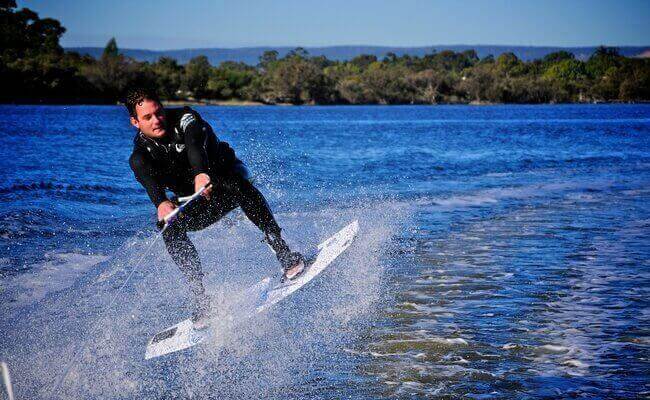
[{"x": 147, "y": 114}]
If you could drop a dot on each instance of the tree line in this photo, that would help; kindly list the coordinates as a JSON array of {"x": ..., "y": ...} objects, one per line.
[{"x": 35, "y": 68}]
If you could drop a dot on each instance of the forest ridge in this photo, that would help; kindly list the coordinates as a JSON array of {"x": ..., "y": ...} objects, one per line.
[{"x": 35, "y": 68}]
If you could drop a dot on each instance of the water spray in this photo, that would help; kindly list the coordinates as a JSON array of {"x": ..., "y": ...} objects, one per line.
[{"x": 165, "y": 223}]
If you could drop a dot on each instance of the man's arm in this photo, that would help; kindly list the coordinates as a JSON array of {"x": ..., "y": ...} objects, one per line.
[
  {"x": 196, "y": 138},
  {"x": 196, "y": 143},
  {"x": 145, "y": 174}
]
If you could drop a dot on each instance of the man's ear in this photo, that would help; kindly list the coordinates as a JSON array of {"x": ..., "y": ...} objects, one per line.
[{"x": 135, "y": 122}]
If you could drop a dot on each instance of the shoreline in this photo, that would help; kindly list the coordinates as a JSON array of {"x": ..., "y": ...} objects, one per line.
[
  {"x": 225, "y": 103},
  {"x": 251, "y": 103}
]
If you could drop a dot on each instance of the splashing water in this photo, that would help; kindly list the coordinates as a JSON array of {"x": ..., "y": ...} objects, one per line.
[
  {"x": 502, "y": 253},
  {"x": 272, "y": 354}
]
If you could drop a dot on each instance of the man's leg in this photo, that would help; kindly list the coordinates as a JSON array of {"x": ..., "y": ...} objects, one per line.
[
  {"x": 184, "y": 254},
  {"x": 256, "y": 208}
]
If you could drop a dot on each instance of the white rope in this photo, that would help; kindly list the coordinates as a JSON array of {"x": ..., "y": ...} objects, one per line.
[
  {"x": 168, "y": 220},
  {"x": 110, "y": 304}
]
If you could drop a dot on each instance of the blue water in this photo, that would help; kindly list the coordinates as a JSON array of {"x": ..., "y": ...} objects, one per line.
[{"x": 503, "y": 253}]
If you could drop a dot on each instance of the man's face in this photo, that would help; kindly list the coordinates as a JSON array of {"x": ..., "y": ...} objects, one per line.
[{"x": 150, "y": 119}]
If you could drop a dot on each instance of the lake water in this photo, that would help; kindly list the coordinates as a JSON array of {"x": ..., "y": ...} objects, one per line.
[{"x": 503, "y": 253}]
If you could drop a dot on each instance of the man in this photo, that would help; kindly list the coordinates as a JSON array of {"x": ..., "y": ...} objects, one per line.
[{"x": 177, "y": 150}]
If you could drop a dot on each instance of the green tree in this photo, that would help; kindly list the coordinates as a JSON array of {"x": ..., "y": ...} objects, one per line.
[
  {"x": 321, "y": 62},
  {"x": 482, "y": 83},
  {"x": 296, "y": 80},
  {"x": 351, "y": 90},
  {"x": 471, "y": 56},
  {"x": 568, "y": 79},
  {"x": 197, "y": 74},
  {"x": 603, "y": 67},
  {"x": 509, "y": 65},
  {"x": 114, "y": 73},
  {"x": 111, "y": 50},
  {"x": 299, "y": 52},
  {"x": 449, "y": 61},
  {"x": 168, "y": 75},
  {"x": 567, "y": 70},
  {"x": 230, "y": 79},
  {"x": 33, "y": 65},
  {"x": 385, "y": 84},
  {"x": 603, "y": 59},
  {"x": 557, "y": 57},
  {"x": 363, "y": 61},
  {"x": 429, "y": 86},
  {"x": 24, "y": 34},
  {"x": 267, "y": 58},
  {"x": 390, "y": 57},
  {"x": 635, "y": 85}
]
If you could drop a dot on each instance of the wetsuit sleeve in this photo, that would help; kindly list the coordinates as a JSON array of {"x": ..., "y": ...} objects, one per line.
[
  {"x": 146, "y": 175},
  {"x": 196, "y": 143},
  {"x": 226, "y": 155}
]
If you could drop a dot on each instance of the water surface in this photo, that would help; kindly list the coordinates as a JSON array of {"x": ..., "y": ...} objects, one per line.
[{"x": 503, "y": 253}]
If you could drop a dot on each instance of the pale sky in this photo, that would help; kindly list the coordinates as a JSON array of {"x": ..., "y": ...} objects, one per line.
[{"x": 167, "y": 24}]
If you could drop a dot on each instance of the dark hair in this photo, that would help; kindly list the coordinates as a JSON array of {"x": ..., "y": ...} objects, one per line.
[{"x": 136, "y": 96}]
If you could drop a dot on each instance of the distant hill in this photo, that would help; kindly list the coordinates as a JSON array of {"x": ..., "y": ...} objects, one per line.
[{"x": 250, "y": 55}]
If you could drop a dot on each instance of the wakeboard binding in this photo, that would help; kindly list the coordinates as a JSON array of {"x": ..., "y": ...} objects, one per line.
[{"x": 292, "y": 262}]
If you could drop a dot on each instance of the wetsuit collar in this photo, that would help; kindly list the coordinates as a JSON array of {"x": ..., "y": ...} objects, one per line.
[{"x": 162, "y": 141}]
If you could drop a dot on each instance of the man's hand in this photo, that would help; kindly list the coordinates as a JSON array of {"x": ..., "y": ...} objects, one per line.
[
  {"x": 164, "y": 209},
  {"x": 201, "y": 180}
]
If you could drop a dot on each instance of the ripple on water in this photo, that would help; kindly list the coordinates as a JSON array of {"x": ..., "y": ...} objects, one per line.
[{"x": 540, "y": 299}]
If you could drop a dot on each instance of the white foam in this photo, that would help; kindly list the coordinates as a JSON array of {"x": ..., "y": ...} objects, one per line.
[
  {"x": 576, "y": 363},
  {"x": 553, "y": 349},
  {"x": 251, "y": 360},
  {"x": 59, "y": 271},
  {"x": 494, "y": 195},
  {"x": 460, "y": 341}
]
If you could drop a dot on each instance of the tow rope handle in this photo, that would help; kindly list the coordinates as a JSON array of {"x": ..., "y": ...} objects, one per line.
[{"x": 178, "y": 211}]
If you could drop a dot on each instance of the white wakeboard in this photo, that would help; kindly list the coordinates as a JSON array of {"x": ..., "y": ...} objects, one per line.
[{"x": 183, "y": 335}]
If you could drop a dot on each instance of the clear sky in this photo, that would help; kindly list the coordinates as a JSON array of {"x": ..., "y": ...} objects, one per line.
[{"x": 173, "y": 24}]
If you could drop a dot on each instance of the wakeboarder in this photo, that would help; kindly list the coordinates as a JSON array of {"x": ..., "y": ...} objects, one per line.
[{"x": 176, "y": 149}]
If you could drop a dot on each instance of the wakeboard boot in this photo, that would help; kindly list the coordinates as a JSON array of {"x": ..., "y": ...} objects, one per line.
[{"x": 292, "y": 262}]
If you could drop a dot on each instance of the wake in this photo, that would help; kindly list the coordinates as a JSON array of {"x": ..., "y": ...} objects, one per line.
[{"x": 300, "y": 341}]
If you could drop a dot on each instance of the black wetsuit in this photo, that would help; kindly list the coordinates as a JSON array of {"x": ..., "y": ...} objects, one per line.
[{"x": 189, "y": 148}]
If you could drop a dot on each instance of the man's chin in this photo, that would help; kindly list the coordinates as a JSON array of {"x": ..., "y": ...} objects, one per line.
[{"x": 158, "y": 133}]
